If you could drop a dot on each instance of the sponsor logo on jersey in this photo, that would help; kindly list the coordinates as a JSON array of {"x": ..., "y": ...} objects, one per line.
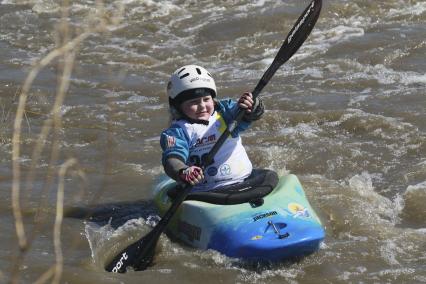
[
  {"x": 171, "y": 141},
  {"x": 205, "y": 140},
  {"x": 225, "y": 170},
  {"x": 212, "y": 171}
]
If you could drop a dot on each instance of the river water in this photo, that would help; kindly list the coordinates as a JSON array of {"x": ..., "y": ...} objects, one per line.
[{"x": 346, "y": 114}]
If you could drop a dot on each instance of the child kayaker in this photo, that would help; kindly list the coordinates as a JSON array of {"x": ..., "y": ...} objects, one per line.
[{"x": 198, "y": 120}]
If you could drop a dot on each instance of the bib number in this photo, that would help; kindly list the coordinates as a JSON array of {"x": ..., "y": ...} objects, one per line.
[{"x": 196, "y": 160}]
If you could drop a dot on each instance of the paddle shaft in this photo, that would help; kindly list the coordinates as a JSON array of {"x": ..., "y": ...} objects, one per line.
[
  {"x": 149, "y": 241},
  {"x": 285, "y": 52},
  {"x": 140, "y": 254}
]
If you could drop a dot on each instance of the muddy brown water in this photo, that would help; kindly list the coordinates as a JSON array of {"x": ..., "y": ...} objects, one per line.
[{"x": 346, "y": 114}]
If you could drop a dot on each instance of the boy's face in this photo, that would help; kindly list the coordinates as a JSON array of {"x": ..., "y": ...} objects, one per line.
[{"x": 198, "y": 108}]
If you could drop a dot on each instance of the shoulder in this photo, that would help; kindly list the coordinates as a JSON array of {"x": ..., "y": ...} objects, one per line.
[
  {"x": 177, "y": 129},
  {"x": 227, "y": 106},
  {"x": 174, "y": 139},
  {"x": 226, "y": 103}
]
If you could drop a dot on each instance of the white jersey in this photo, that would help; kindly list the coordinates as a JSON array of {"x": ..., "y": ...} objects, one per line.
[{"x": 231, "y": 163}]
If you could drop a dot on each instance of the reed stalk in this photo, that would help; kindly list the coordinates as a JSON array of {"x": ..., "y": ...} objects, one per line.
[{"x": 64, "y": 54}]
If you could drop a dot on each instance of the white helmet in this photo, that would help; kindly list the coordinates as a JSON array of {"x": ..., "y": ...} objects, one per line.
[{"x": 189, "y": 82}]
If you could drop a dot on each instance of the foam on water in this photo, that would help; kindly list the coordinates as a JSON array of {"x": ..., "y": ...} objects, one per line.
[
  {"x": 383, "y": 207},
  {"x": 386, "y": 75},
  {"x": 16, "y": 2},
  {"x": 46, "y": 7},
  {"x": 408, "y": 10},
  {"x": 155, "y": 9},
  {"x": 380, "y": 73},
  {"x": 337, "y": 34},
  {"x": 360, "y": 217},
  {"x": 414, "y": 200},
  {"x": 378, "y": 126},
  {"x": 357, "y": 100},
  {"x": 144, "y": 169},
  {"x": 301, "y": 130}
]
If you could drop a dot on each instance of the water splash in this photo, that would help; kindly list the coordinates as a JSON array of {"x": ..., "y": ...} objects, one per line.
[{"x": 106, "y": 242}]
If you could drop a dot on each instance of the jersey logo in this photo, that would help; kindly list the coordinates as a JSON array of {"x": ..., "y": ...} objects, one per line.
[
  {"x": 205, "y": 140},
  {"x": 225, "y": 170},
  {"x": 171, "y": 141},
  {"x": 212, "y": 171}
]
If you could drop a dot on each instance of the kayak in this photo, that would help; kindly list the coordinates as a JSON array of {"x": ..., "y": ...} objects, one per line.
[{"x": 269, "y": 219}]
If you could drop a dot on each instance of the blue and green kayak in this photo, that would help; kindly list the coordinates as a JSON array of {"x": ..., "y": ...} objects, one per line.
[{"x": 268, "y": 220}]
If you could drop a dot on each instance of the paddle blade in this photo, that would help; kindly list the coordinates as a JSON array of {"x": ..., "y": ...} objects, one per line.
[
  {"x": 296, "y": 37},
  {"x": 124, "y": 259},
  {"x": 300, "y": 31},
  {"x": 138, "y": 255}
]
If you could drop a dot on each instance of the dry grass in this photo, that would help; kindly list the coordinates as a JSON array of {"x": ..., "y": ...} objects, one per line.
[{"x": 64, "y": 56}]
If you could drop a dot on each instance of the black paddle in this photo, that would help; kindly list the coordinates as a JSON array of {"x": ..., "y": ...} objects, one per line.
[{"x": 140, "y": 254}]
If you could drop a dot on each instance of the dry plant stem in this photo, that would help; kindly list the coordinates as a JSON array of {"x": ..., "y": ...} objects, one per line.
[
  {"x": 45, "y": 276},
  {"x": 109, "y": 142},
  {"x": 57, "y": 123},
  {"x": 16, "y": 139},
  {"x": 58, "y": 220},
  {"x": 100, "y": 24},
  {"x": 64, "y": 84}
]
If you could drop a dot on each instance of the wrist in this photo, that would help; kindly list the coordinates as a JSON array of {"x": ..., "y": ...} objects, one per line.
[{"x": 181, "y": 171}]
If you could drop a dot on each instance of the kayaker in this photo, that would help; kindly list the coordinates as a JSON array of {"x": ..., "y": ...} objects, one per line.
[{"x": 197, "y": 121}]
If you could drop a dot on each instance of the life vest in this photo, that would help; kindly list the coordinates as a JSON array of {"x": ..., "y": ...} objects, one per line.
[{"x": 192, "y": 140}]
